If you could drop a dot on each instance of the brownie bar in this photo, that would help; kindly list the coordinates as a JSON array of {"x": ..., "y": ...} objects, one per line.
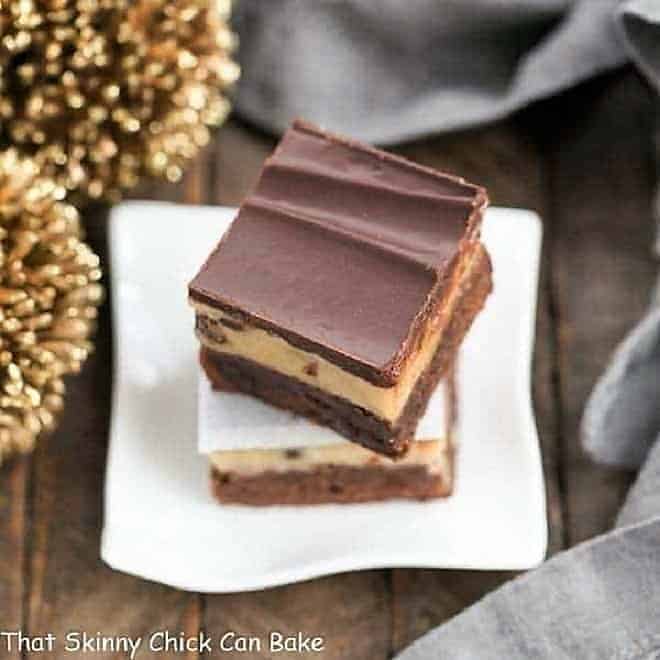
[
  {"x": 353, "y": 422},
  {"x": 345, "y": 286}
]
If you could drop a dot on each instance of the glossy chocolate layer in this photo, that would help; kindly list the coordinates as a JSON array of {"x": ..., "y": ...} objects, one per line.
[{"x": 343, "y": 250}]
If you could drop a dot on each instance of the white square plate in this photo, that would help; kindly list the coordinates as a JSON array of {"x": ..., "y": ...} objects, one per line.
[{"x": 160, "y": 520}]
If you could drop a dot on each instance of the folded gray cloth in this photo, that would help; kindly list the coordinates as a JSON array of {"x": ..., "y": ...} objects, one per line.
[
  {"x": 599, "y": 600},
  {"x": 626, "y": 402},
  {"x": 643, "y": 501},
  {"x": 387, "y": 71}
]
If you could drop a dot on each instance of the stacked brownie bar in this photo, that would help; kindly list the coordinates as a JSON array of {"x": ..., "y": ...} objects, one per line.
[{"x": 342, "y": 292}]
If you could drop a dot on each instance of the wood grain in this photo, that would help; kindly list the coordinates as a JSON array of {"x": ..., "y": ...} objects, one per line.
[
  {"x": 69, "y": 588},
  {"x": 599, "y": 162},
  {"x": 350, "y": 611},
  {"x": 14, "y": 482},
  {"x": 546, "y": 396}
]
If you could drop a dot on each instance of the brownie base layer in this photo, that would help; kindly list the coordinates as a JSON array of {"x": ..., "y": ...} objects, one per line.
[{"x": 330, "y": 484}]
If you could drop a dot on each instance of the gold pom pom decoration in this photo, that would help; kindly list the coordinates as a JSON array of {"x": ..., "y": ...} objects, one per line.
[
  {"x": 49, "y": 292},
  {"x": 94, "y": 95},
  {"x": 103, "y": 92}
]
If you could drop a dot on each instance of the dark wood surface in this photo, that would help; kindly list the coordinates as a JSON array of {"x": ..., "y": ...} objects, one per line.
[{"x": 584, "y": 162}]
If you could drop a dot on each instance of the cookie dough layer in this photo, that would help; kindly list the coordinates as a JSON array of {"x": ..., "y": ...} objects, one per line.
[
  {"x": 223, "y": 334},
  {"x": 341, "y": 473}
]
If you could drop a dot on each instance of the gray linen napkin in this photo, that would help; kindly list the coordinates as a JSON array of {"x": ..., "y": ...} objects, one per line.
[
  {"x": 387, "y": 70},
  {"x": 598, "y": 600}
]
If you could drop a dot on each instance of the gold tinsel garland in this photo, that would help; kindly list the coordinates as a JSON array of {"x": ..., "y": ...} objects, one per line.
[
  {"x": 102, "y": 92},
  {"x": 48, "y": 296}
]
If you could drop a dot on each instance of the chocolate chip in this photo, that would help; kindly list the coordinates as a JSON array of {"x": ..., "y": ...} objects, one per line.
[
  {"x": 292, "y": 454},
  {"x": 232, "y": 324},
  {"x": 312, "y": 369},
  {"x": 207, "y": 327}
]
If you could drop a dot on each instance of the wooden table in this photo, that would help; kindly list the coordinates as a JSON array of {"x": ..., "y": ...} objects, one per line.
[{"x": 584, "y": 161}]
